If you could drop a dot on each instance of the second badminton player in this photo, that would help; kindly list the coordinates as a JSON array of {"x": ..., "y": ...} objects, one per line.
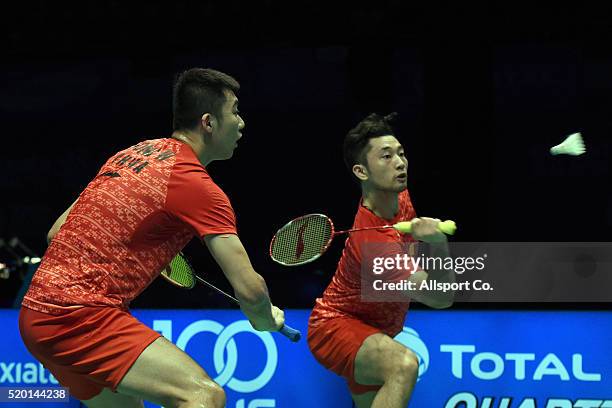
[{"x": 351, "y": 337}]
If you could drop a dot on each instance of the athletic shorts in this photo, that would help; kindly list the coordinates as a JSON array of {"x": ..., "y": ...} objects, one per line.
[
  {"x": 86, "y": 349},
  {"x": 335, "y": 343}
]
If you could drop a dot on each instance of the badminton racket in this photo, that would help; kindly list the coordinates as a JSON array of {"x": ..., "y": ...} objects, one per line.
[
  {"x": 180, "y": 273},
  {"x": 306, "y": 238}
]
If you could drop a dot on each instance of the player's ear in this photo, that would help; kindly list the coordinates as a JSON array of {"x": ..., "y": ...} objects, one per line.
[
  {"x": 360, "y": 171},
  {"x": 208, "y": 122}
]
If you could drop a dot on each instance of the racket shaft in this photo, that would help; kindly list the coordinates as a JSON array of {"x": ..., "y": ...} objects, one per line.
[
  {"x": 362, "y": 229},
  {"x": 210, "y": 285},
  {"x": 405, "y": 227},
  {"x": 287, "y": 331}
]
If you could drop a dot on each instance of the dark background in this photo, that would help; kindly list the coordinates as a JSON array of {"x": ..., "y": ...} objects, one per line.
[{"x": 482, "y": 92}]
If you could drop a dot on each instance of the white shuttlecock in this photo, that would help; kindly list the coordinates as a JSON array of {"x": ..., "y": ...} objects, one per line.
[{"x": 572, "y": 145}]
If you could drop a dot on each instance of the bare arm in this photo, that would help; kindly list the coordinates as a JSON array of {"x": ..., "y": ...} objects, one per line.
[
  {"x": 58, "y": 223},
  {"x": 249, "y": 286}
]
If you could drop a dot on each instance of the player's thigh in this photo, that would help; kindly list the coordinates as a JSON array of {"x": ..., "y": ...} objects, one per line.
[
  {"x": 166, "y": 375},
  {"x": 364, "y": 400},
  {"x": 107, "y": 398},
  {"x": 380, "y": 357}
]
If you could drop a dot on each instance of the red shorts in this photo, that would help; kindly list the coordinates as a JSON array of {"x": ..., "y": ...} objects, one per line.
[
  {"x": 335, "y": 343},
  {"x": 86, "y": 349}
]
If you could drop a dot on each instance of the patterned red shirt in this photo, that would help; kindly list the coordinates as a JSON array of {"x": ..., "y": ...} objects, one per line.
[
  {"x": 144, "y": 206},
  {"x": 342, "y": 298}
]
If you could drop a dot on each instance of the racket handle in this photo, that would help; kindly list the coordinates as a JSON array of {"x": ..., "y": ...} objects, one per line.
[
  {"x": 291, "y": 333},
  {"x": 448, "y": 227}
]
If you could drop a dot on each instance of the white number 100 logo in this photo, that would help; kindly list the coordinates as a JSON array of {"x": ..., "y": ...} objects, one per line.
[{"x": 225, "y": 344}]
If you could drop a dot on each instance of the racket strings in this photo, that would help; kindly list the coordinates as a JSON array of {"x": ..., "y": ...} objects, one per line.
[
  {"x": 180, "y": 272},
  {"x": 302, "y": 240}
]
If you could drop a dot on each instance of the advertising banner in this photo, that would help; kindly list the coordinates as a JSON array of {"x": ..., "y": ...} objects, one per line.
[{"x": 468, "y": 359}]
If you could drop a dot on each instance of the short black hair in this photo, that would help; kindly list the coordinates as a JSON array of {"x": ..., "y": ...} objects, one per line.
[
  {"x": 356, "y": 140},
  {"x": 198, "y": 91}
]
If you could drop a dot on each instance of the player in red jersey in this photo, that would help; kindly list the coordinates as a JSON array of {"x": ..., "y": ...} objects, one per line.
[
  {"x": 143, "y": 207},
  {"x": 352, "y": 337}
]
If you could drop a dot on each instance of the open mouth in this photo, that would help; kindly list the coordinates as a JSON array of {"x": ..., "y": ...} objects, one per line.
[{"x": 401, "y": 177}]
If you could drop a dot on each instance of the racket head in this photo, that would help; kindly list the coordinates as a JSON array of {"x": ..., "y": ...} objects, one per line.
[
  {"x": 179, "y": 272},
  {"x": 302, "y": 240}
]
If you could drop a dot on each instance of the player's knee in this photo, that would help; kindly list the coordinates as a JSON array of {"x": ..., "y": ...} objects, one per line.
[
  {"x": 205, "y": 393},
  {"x": 217, "y": 396},
  {"x": 407, "y": 364},
  {"x": 214, "y": 395}
]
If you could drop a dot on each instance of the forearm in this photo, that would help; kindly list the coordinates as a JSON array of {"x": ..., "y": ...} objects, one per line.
[
  {"x": 425, "y": 282},
  {"x": 255, "y": 301},
  {"x": 440, "y": 251},
  {"x": 249, "y": 286}
]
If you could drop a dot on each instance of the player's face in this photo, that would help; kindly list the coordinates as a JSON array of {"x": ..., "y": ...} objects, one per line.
[
  {"x": 386, "y": 164},
  {"x": 228, "y": 127}
]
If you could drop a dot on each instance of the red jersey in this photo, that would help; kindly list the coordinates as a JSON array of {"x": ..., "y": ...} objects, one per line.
[
  {"x": 142, "y": 208},
  {"x": 342, "y": 298}
]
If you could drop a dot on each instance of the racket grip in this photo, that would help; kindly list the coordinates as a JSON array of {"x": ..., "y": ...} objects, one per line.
[
  {"x": 448, "y": 227},
  {"x": 291, "y": 333}
]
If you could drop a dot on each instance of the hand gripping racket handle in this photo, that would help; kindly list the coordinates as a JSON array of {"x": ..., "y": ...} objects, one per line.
[
  {"x": 291, "y": 333},
  {"x": 448, "y": 227}
]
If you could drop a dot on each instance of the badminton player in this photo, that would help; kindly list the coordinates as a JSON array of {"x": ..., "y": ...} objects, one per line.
[
  {"x": 143, "y": 206},
  {"x": 351, "y": 337}
]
